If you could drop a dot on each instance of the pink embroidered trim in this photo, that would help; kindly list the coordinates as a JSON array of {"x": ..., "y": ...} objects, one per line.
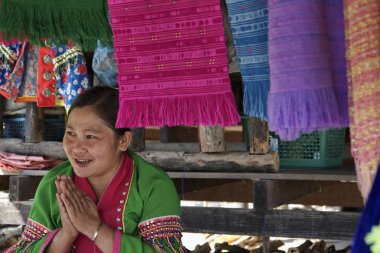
[
  {"x": 33, "y": 232},
  {"x": 117, "y": 241},
  {"x": 153, "y": 230}
]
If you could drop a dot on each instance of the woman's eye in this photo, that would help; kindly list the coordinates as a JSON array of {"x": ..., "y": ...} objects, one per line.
[
  {"x": 69, "y": 133},
  {"x": 90, "y": 137}
]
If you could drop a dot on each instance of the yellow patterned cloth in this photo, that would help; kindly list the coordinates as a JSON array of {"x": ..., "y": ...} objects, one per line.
[{"x": 362, "y": 27}]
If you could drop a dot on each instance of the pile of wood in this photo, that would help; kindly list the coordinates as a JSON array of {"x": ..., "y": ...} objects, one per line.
[
  {"x": 251, "y": 244},
  {"x": 8, "y": 236}
]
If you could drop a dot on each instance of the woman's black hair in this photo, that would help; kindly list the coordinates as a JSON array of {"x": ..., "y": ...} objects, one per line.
[{"x": 105, "y": 101}]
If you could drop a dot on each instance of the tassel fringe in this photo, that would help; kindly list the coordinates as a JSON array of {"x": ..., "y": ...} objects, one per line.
[
  {"x": 55, "y": 24},
  {"x": 293, "y": 112},
  {"x": 212, "y": 109},
  {"x": 255, "y": 99}
]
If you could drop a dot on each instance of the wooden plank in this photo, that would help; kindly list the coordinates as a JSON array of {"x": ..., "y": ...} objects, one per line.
[
  {"x": 215, "y": 190},
  {"x": 22, "y": 187},
  {"x": 211, "y": 139},
  {"x": 34, "y": 128},
  {"x": 201, "y": 162},
  {"x": 337, "y": 174},
  {"x": 173, "y": 147},
  {"x": 138, "y": 139},
  {"x": 293, "y": 224}
]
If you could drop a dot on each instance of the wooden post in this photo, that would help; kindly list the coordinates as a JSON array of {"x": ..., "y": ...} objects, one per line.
[
  {"x": 164, "y": 134},
  {"x": 138, "y": 139},
  {"x": 34, "y": 129},
  {"x": 258, "y": 136},
  {"x": 211, "y": 139},
  {"x": 262, "y": 203},
  {"x": 22, "y": 187},
  {"x": 2, "y": 109}
]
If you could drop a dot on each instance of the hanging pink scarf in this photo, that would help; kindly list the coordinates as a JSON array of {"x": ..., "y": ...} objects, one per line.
[{"x": 172, "y": 63}]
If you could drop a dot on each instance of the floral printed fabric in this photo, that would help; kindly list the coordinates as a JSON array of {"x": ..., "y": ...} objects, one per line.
[
  {"x": 71, "y": 73},
  {"x": 9, "y": 57}
]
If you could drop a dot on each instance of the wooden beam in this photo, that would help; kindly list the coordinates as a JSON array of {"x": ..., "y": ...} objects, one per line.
[
  {"x": 46, "y": 148},
  {"x": 170, "y": 161},
  {"x": 293, "y": 224},
  {"x": 269, "y": 194},
  {"x": 344, "y": 194},
  {"x": 211, "y": 139},
  {"x": 344, "y": 174},
  {"x": 215, "y": 190},
  {"x": 138, "y": 139},
  {"x": 178, "y": 134},
  {"x": 222, "y": 162},
  {"x": 34, "y": 128}
]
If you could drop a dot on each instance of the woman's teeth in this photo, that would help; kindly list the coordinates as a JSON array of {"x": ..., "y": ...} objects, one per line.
[{"x": 82, "y": 161}]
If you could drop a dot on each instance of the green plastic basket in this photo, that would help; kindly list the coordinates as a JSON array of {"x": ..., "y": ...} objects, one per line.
[{"x": 319, "y": 149}]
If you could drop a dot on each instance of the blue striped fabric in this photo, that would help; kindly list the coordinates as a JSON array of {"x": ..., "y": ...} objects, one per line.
[{"x": 249, "y": 25}]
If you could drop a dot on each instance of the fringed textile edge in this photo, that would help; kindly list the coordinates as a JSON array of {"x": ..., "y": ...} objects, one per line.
[
  {"x": 40, "y": 23},
  {"x": 211, "y": 109},
  {"x": 255, "y": 99},
  {"x": 303, "y": 111}
]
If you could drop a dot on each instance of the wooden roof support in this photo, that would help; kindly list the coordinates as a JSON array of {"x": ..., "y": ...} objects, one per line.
[
  {"x": 34, "y": 128},
  {"x": 2, "y": 109}
]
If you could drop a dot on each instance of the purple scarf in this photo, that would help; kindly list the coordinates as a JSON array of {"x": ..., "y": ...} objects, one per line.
[{"x": 307, "y": 67}]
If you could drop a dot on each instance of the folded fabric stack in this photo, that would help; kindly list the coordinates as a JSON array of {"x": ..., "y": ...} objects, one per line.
[{"x": 14, "y": 162}]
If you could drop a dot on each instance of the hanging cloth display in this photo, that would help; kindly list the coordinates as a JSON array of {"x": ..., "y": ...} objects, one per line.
[
  {"x": 362, "y": 19},
  {"x": 172, "y": 63},
  {"x": 249, "y": 24},
  {"x": 307, "y": 67},
  {"x": 50, "y": 76},
  {"x": 57, "y": 21}
]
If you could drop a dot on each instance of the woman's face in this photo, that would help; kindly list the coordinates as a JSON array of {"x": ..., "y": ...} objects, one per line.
[{"x": 91, "y": 146}]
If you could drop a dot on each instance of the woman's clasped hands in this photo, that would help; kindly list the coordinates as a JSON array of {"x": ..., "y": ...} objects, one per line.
[{"x": 78, "y": 211}]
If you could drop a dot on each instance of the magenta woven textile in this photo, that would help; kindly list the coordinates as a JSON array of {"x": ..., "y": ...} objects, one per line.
[
  {"x": 307, "y": 67},
  {"x": 172, "y": 63}
]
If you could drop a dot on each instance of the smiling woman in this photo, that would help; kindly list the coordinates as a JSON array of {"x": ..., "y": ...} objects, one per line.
[{"x": 104, "y": 198}]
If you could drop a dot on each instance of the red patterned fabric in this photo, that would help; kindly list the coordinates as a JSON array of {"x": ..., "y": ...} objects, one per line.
[{"x": 172, "y": 63}]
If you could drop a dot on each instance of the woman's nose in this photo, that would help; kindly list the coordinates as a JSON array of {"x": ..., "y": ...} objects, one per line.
[{"x": 78, "y": 147}]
